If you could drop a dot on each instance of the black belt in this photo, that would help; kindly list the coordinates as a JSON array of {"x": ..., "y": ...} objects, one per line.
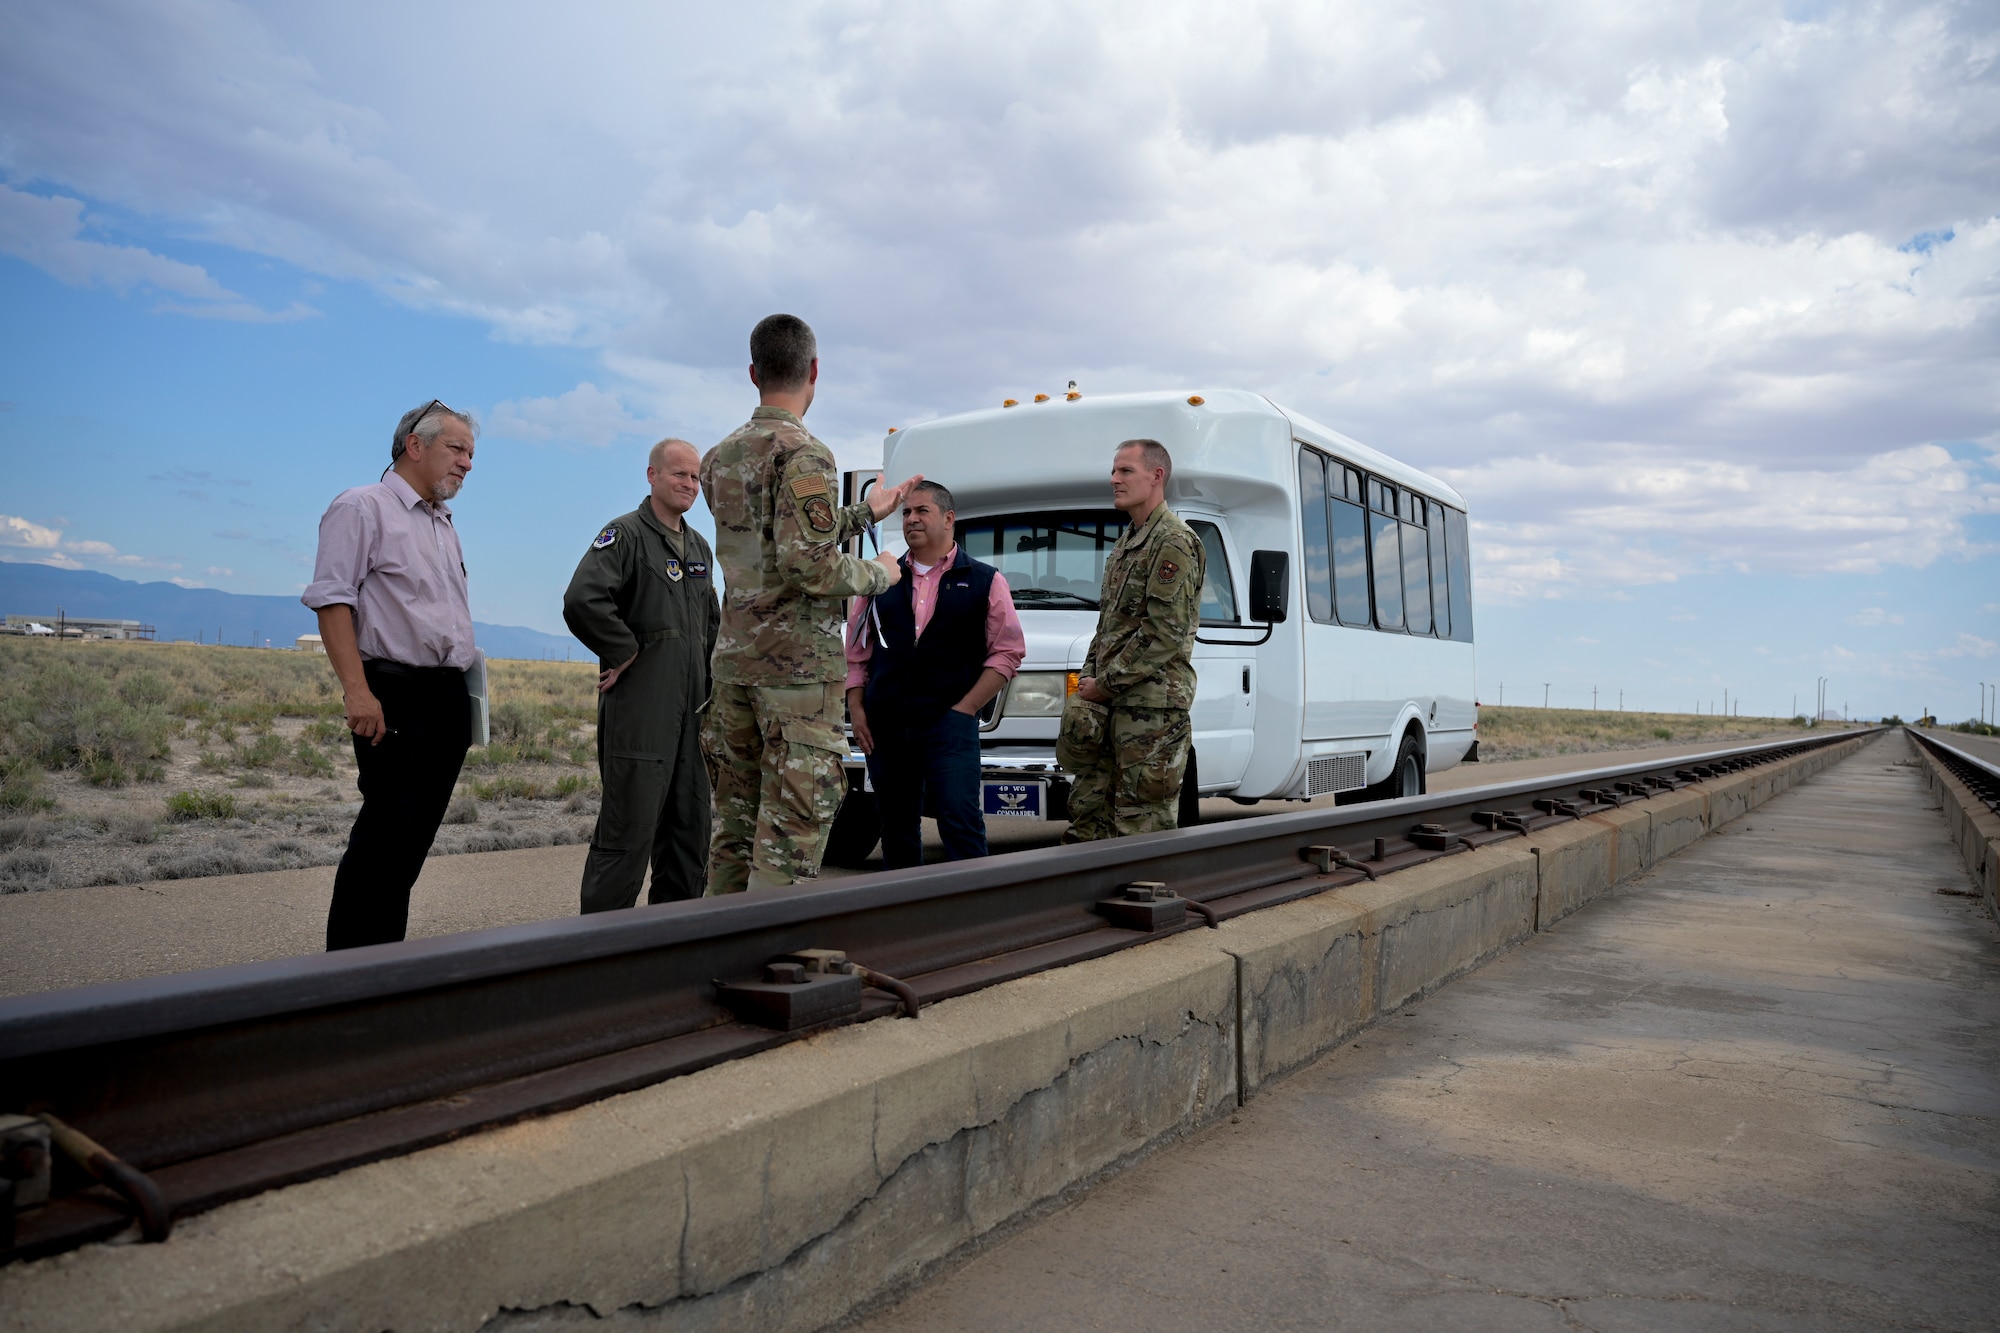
[{"x": 388, "y": 668}]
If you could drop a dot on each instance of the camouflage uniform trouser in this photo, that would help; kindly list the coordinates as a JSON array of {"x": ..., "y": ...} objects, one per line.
[
  {"x": 774, "y": 759},
  {"x": 1127, "y": 763}
]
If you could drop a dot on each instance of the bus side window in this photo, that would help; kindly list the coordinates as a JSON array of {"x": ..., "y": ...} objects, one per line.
[
  {"x": 1312, "y": 518},
  {"x": 1461, "y": 575},
  {"x": 1350, "y": 555},
  {"x": 1218, "y": 591},
  {"x": 1387, "y": 557},
  {"x": 1440, "y": 591},
  {"x": 1416, "y": 570}
]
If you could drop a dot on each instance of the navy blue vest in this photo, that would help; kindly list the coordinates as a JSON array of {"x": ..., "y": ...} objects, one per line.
[{"x": 919, "y": 678}]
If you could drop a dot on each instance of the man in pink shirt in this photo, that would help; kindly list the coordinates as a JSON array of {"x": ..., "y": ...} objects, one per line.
[
  {"x": 390, "y": 589},
  {"x": 922, "y": 659}
]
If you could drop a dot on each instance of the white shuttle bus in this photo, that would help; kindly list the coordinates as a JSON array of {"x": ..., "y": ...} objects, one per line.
[{"x": 1335, "y": 651}]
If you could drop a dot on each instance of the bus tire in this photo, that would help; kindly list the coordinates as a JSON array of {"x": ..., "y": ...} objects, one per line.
[
  {"x": 1190, "y": 805},
  {"x": 856, "y": 830},
  {"x": 1407, "y": 778}
]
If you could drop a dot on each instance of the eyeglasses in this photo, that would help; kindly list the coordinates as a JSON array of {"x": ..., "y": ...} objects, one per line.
[{"x": 410, "y": 423}]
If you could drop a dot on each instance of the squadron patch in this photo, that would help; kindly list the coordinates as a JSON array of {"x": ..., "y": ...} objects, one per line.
[
  {"x": 818, "y": 512},
  {"x": 605, "y": 538},
  {"x": 1167, "y": 571},
  {"x": 697, "y": 569},
  {"x": 673, "y": 569}
]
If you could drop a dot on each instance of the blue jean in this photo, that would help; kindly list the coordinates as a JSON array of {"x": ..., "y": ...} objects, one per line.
[{"x": 927, "y": 767}]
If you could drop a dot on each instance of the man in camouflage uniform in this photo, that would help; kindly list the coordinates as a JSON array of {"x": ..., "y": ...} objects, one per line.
[
  {"x": 1125, "y": 731},
  {"x": 643, "y": 599},
  {"x": 774, "y": 739}
]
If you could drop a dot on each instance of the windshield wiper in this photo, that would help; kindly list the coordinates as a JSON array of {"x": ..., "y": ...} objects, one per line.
[{"x": 1050, "y": 594}]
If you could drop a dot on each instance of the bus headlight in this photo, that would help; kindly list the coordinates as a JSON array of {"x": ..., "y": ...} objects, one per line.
[{"x": 1037, "y": 694}]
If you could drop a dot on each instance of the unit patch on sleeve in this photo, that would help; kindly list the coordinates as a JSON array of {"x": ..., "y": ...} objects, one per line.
[
  {"x": 818, "y": 511},
  {"x": 1167, "y": 571},
  {"x": 605, "y": 538}
]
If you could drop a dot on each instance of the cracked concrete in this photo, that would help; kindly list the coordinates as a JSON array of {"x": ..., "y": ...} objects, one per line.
[{"x": 1756, "y": 1087}]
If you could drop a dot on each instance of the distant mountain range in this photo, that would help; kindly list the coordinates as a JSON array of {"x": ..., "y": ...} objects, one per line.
[{"x": 205, "y": 614}]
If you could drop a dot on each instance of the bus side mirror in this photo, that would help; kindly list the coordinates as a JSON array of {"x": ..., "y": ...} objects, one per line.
[{"x": 1270, "y": 586}]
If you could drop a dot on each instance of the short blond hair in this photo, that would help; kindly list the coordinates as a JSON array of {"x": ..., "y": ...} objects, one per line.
[{"x": 658, "y": 458}]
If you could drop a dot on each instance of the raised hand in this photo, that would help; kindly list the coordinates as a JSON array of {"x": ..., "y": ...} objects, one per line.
[{"x": 886, "y": 500}]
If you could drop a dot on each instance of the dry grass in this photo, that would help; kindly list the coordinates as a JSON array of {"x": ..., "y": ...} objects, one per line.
[
  {"x": 1534, "y": 733},
  {"x": 122, "y": 762}
]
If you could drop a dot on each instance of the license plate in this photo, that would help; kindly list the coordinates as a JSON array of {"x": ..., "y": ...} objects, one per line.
[{"x": 1013, "y": 800}]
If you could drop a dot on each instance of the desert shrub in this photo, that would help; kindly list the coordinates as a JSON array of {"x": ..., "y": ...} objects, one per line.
[
  {"x": 65, "y": 716},
  {"x": 254, "y": 779},
  {"x": 326, "y": 731},
  {"x": 26, "y": 870},
  {"x": 583, "y": 755},
  {"x": 187, "y": 806},
  {"x": 21, "y": 786},
  {"x": 571, "y": 783},
  {"x": 310, "y": 760},
  {"x": 223, "y": 857},
  {"x": 581, "y": 802},
  {"x": 518, "y": 720},
  {"x": 1663, "y": 733},
  {"x": 22, "y": 833},
  {"x": 464, "y": 810},
  {"x": 507, "y": 786},
  {"x": 263, "y": 752},
  {"x": 139, "y": 830},
  {"x": 211, "y": 762}
]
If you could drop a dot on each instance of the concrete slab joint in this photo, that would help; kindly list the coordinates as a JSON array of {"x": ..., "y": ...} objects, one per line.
[{"x": 782, "y": 1191}]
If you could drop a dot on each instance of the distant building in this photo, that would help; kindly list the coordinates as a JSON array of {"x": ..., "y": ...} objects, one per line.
[
  {"x": 79, "y": 627},
  {"x": 311, "y": 643}
]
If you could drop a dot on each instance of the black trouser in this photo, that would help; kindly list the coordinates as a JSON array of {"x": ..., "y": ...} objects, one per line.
[
  {"x": 406, "y": 784},
  {"x": 655, "y": 810},
  {"x": 929, "y": 766}
]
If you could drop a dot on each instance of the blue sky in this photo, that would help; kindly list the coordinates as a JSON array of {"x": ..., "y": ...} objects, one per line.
[{"x": 1700, "y": 309}]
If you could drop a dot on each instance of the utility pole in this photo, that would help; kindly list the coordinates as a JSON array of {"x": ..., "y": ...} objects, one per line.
[
  {"x": 1545, "y": 694},
  {"x": 1503, "y": 694},
  {"x": 1621, "y": 699},
  {"x": 1593, "y": 698},
  {"x": 1725, "y": 701}
]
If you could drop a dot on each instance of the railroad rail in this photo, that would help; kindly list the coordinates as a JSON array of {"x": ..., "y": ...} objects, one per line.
[
  {"x": 162, "y": 1097},
  {"x": 1981, "y": 777}
]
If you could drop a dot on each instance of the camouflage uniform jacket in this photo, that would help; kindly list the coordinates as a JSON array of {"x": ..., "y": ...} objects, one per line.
[
  {"x": 1148, "y": 611},
  {"x": 775, "y": 495}
]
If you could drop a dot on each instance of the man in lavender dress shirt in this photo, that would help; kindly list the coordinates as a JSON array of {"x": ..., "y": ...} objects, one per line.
[
  {"x": 389, "y": 587},
  {"x": 922, "y": 659}
]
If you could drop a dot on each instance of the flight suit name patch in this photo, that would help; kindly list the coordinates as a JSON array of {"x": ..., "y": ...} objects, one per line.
[
  {"x": 605, "y": 538},
  {"x": 697, "y": 569}
]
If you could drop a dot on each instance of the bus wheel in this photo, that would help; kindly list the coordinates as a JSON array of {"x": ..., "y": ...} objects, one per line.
[
  {"x": 856, "y": 830},
  {"x": 1190, "y": 811},
  {"x": 1406, "y": 778}
]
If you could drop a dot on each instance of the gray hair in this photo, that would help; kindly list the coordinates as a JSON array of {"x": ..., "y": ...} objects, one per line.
[
  {"x": 1153, "y": 452},
  {"x": 658, "y": 456},
  {"x": 939, "y": 495},
  {"x": 782, "y": 348},
  {"x": 425, "y": 422}
]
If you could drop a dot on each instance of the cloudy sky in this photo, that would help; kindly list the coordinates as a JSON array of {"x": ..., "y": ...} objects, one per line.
[{"x": 1698, "y": 304}]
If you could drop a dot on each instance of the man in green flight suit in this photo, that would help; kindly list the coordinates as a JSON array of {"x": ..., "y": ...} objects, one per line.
[
  {"x": 774, "y": 738},
  {"x": 643, "y": 599},
  {"x": 1125, "y": 731}
]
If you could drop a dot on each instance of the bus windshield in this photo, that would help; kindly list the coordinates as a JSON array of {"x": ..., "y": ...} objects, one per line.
[{"x": 1054, "y": 560}]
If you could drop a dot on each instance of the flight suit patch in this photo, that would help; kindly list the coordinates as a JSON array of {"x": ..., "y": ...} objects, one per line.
[
  {"x": 673, "y": 569},
  {"x": 818, "y": 511},
  {"x": 1167, "y": 571},
  {"x": 810, "y": 485},
  {"x": 697, "y": 569},
  {"x": 605, "y": 538}
]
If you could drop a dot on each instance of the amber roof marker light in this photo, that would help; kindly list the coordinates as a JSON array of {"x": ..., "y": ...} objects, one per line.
[
  {"x": 1195, "y": 400},
  {"x": 1041, "y": 398},
  {"x": 1011, "y": 402}
]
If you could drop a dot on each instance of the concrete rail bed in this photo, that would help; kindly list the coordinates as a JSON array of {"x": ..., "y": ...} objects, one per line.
[{"x": 784, "y": 1190}]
